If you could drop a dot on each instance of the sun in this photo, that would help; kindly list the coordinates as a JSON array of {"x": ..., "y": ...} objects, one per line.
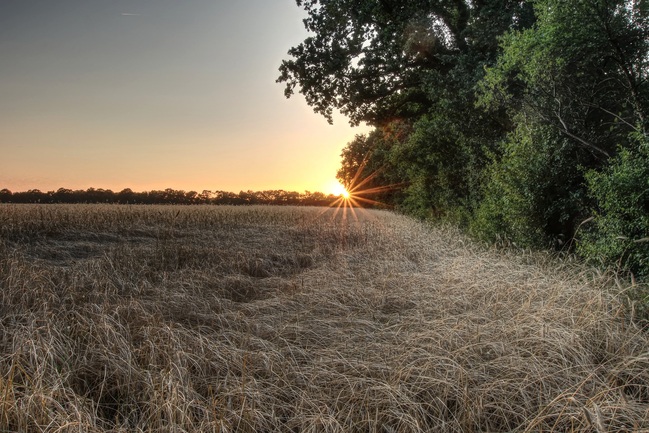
[{"x": 339, "y": 190}]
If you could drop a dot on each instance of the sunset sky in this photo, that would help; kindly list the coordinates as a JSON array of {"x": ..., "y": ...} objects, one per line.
[{"x": 154, "y": 94}]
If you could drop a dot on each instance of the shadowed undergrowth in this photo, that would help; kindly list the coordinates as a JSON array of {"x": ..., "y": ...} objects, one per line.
[{"x": 286, "y": 319}]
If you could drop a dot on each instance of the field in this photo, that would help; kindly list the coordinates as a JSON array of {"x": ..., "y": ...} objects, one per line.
[{"x": 264, "y": 319}]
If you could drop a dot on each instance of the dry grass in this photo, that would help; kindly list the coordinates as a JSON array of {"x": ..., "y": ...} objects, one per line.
[{"x": 265, "y": 319}]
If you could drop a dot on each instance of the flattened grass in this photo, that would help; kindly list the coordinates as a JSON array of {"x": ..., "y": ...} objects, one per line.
[{"x": 117, "y": 318}]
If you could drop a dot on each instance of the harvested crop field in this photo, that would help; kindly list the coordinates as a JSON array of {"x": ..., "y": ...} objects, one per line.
[{"x": 284, "y": 319}]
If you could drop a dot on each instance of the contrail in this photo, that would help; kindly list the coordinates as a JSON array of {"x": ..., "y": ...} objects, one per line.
[{"x": 130, "y": 15}]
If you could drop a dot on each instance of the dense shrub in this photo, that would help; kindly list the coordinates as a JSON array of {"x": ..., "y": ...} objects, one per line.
[
  {"x": 533, "y": 195},
  {"x": 619, "y": 233}
]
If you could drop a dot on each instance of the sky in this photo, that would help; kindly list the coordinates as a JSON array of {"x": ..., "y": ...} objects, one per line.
[{"x": 155, "y": 94}]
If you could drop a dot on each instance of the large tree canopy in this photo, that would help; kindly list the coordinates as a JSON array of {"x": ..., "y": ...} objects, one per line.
[
  {"x": 575, "y": 88},
  {"x": 582, "y": 68},
  {"x": 377, "y": 60}
]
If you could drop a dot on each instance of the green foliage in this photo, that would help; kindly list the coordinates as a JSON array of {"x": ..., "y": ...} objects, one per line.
[
  {"x": 442, "y": 160},
  {"x": 582, "y": 69},
  {"x": 368, "y": 170},
  {"x": 575, "y": 88},
  {"x": 374, "y": 60},
  {"x": 619, "y": 233},
  {"x": 414, "y": 63},
  {"x": 533, "y": 195}
]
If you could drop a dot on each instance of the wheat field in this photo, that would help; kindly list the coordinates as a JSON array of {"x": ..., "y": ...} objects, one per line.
[{"x": 268, "y": 319}]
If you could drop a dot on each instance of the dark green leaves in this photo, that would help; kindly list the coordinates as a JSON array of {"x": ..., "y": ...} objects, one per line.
[{"x": 372, "y": 59}]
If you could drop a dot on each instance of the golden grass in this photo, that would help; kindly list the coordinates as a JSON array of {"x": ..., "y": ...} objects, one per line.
[{"x": 192, "y": 319}]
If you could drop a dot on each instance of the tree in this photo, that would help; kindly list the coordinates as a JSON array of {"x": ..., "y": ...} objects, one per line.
[
  {"x": 368, "y": 169},
  {"x": 377, "y": 61},
  {"x": 574, "y": 87},
  {"x": 126, "y": 196},
  {"x": 417, "y": 62},
  {"x": 582, "y": 69},
  {"x": 5, "y": 195}
]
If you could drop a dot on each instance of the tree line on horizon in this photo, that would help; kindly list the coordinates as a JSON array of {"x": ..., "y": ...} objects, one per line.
[
  {"x": 521, "y": 121},
  {"x": 169, "y": 196}
]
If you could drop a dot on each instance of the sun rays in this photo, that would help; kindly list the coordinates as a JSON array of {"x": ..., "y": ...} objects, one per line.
[{"x": 354, "y": 197}]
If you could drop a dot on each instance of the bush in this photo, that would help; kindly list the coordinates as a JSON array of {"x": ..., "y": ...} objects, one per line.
[
  {"x": 619, "y": 233},
  {"x": 443, "y": 164},
  {"x": 533, "y": 194}
]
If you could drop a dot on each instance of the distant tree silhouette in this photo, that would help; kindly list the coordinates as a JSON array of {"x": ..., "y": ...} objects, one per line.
[
  {"x": 169, "y": 196},
  {"x": 5, "y": 195}
]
